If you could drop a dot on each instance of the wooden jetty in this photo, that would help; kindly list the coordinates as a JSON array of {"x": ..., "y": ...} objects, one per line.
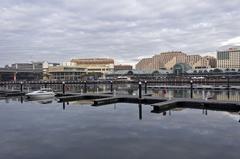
[
  {"x": 103, "y": 99},
  {"x": 197, "y": 104},
  {"x": 10, "y": 93},
  {"x": 159, "y": 104}
]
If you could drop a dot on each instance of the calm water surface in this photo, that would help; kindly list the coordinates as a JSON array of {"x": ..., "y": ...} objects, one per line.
[{"x": 44, "y": 130}]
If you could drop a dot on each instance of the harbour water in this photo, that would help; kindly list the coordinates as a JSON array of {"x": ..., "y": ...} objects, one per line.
[{"x": 47, "y": 129}]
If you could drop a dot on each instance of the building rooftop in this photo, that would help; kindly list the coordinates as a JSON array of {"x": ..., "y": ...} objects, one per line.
[{"x": 93, "y": 61}]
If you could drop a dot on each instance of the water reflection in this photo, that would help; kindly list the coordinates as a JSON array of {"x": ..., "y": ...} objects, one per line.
[
  {"x": 115, "y": 131},
  {"x": 164, "y": 112},
  {"x": 64, "y": 105},
  {"x": 204, "y": 111},
  {"x": 226, "y": 95},
  {"x": 140, "y": 116},
  {"x": 132, "y": 89},
  {"x": 45, "y": 101},
  {"x": 140, "y": 111},
  {"x": 21, "y": 99}
]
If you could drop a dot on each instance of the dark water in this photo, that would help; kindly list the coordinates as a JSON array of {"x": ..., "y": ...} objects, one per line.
[{"x": 44, "y": 130}]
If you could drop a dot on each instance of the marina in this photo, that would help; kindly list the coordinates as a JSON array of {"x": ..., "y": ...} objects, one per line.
[
  {"x": 123, "y": 117},
  {"x": 50, "y": 129}
]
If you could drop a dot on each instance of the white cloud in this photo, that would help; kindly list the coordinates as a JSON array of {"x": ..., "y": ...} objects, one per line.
[
  {"x": 232, "y": 41},
  {"x": 58, "y": 30}
]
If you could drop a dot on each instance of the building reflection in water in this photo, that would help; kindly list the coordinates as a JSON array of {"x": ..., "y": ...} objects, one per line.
[
  {"x": 204, "y": 111},
  {"x": 230, "y": 95},
  {"x": 64, "y": 105},
  {"x": 222, "y": 95}
]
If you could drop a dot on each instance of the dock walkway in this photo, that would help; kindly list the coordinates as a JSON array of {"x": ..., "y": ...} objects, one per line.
[
  {"x": 158, "y": 104},
  {"x": 9, "y": 93}
]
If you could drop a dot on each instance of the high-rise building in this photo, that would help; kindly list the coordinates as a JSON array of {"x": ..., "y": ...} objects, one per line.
[
  {"x": 167, "y": 60},
  {"x": 229, "y": 58}
]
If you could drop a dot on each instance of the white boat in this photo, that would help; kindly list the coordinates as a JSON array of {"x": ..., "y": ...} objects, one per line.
[
  {"x": 123, "y": 78},
  {"x": 42, "y": 93}
]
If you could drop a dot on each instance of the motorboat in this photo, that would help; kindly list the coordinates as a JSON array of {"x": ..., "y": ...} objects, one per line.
[{"x": 42, "y": 93}]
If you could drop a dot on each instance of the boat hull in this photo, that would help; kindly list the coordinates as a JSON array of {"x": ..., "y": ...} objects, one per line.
[{"x": 40, "y": 96}]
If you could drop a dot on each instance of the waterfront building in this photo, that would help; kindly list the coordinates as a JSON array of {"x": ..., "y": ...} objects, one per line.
[
  {"x": 122, "y": 67},
  {"x": 180, "y": 70},
  {"x": 145, "y": 64},
  {"x": 136, "y": 74},
  {"x": 167, "y": 60},
  {"x": 229, "y": 58},
  {"x": 198, "y": 62},
  {"x": 27, "y": 66},
  {"x": 78, "y": 69},
  {"x": 22, "y": 71},
  {"x": 45, "y": 67}
]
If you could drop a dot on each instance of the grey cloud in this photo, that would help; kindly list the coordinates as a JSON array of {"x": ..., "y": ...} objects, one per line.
[{"x": 57, "y": 30}]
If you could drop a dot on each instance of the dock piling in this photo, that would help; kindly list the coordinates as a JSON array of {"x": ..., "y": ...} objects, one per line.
[
  {"x": 21, "y": 86},
  {"x": 145, "y": 87},
  {"x": 191, "y": 91},
  {"x": 63, "y": 87},
  {"x": 85, "y": 86},
  {"x": 140, "y": 89},
  {"x": 111, "y": 82},
  {"x": 21, "y": 99}
]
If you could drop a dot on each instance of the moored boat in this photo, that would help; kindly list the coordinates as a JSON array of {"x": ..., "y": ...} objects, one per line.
[{"x": 42, "y": 93}]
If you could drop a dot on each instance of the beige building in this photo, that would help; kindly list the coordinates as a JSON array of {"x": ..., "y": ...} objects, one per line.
[
  {"x": 145, "y": 64},
  {"x": 198, "y": 62},
  {"x": 46, "y": 66},
  {"x": 76, "y": 69},
  {"x": 167, "y": 60},
  {"x": 229, "y": 58}
]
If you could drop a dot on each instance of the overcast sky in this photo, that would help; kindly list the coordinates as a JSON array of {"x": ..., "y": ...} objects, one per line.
[{"x": 126, "y": 30}]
